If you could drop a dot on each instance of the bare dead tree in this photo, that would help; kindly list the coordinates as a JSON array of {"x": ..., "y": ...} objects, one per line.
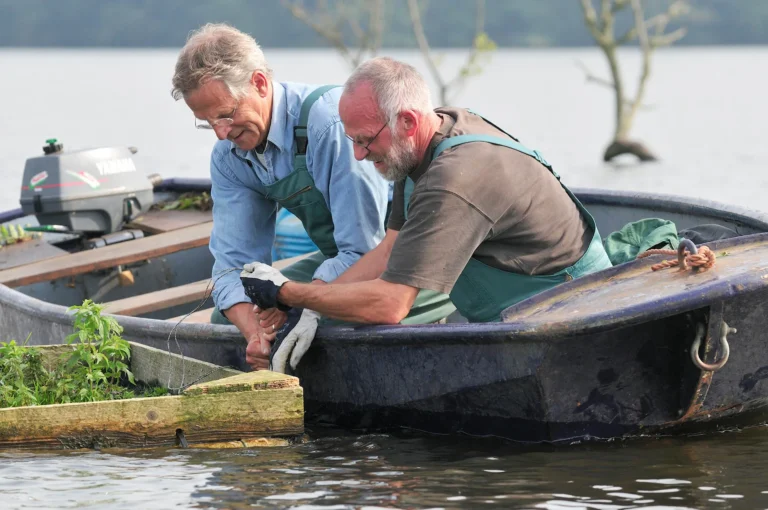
[
  {"x": 482, "y": 46},
  {"x": 650, "y": 34},
  {"x": 335, "y": 20},
  {"x": 362, "y": 18}
]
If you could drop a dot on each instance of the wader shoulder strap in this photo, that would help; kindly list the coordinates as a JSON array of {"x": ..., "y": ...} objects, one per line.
[
  {"x": 300, "y": 130},
  {"x": 496, "y": 140}
]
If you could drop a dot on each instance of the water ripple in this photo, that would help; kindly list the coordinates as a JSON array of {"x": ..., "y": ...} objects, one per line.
[{"x": 408, "y": 471}]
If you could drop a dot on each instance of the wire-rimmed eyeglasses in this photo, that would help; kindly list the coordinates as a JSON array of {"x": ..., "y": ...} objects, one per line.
[
  {"x": 360, "y": 143},
  {"x": 223, "y": 121}
]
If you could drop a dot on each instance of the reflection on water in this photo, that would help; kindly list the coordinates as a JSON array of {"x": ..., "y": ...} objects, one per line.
[
  {"x": 100, "y": 480},
  {"x": 342, "y": 471}
]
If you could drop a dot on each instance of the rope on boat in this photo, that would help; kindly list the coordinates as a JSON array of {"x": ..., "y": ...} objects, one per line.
[
  {"x": 206, "y": 294},
  {"x": 688, "y": 256}
]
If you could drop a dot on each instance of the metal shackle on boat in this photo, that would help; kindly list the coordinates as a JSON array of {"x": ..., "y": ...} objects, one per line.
[{"x": 700, "y": 331}]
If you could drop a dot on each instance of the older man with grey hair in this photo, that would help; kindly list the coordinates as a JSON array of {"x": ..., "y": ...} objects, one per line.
[
  {"x": 280, "y": 144},
  {"x": 475, "y": 213}
]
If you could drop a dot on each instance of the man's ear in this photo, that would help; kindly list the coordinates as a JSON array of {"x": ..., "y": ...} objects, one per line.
[
  {"x": 261, "y": 82},
  {"x": 408, "y": 122}
]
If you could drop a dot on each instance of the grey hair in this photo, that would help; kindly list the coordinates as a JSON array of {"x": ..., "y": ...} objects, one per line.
[
  {"x": 218, "y": 51},
  {"x": 396, "y": 85}
]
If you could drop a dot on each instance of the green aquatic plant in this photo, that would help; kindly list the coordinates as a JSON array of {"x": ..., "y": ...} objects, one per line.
[
  {"x": 23, "y": 379},
  {"x": 199, "y": 201},
  {"x": 96, "y": 367},
  {"x": 99, "y": 357},
  {"x": 12, "y": 234}
]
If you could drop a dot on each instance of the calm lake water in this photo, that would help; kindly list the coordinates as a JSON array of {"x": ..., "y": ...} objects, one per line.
[
  {"x": 705, "y": 118},
  {"x": 343, "y": 471}
]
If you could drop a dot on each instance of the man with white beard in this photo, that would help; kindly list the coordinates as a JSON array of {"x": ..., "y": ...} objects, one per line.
[{"x": 475, "y": 214}]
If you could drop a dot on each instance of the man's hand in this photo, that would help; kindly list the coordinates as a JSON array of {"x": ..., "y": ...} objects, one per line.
[
  {"x": 262, "y": 283},
  {"x": 301, "y": 332},
  {"x": 274, "y": 317},
  {"x": 270, "y": 319},
  {"x": 257, "y": 353}
]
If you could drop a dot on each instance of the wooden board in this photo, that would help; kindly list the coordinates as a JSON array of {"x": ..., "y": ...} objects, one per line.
[
  {"x": 171, "y": 370},
  {"x": 161, "y": 299},
  {"x": 157, "y": 222},
  {"x": 149, "y": 364},
  {"x": 109, "y": 256},
  {"x": 236, "y": 410},
  {"x": 19, "y": 254},
  {"x": 244, "y": 382}
]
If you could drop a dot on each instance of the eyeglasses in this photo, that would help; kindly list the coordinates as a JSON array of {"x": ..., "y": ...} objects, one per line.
[
  {"x": 365, "y": 147},
  {"x": 223, "y": 121}
]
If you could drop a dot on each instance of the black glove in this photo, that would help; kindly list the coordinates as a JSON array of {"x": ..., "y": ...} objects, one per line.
[{"x": 261, "y": 284}]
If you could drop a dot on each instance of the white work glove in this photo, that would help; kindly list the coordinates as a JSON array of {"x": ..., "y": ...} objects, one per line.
[
  {"x": 296, "y": 342},
  {"x": 261, "y": 283},
  {"x": 263, "y": 272}
]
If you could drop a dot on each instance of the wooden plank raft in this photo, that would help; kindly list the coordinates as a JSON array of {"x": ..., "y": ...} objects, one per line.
[
  {"x": 229, "y": 408},
  {"x": 109, "y": 256}
]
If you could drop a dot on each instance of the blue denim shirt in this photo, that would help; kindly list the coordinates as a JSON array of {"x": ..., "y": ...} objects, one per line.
[{"x": 244, "y": 220}]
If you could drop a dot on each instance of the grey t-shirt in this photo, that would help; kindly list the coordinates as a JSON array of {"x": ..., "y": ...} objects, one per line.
[{"x": 485, "y": 201}]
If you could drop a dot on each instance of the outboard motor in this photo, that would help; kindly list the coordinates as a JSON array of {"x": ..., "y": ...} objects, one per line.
[{"x": 94, "y": 191}]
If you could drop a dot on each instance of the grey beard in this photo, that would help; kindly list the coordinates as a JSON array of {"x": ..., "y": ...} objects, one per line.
[
  {"x": 397, "y": 173},
  {"x": 400, "y": 162}
]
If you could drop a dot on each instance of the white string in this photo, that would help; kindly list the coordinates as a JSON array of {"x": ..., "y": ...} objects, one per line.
[{"x": 206, "y": 295}]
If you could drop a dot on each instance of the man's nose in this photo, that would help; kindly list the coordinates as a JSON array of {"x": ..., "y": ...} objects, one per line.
[
  {"x": 222, "y": 131},
  {"x": 360, "y": 152}
]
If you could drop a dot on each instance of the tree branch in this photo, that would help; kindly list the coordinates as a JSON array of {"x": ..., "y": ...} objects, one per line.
[
  {"x": 659, "y": 23},
  {"x": 376, "y": 25},
  {"x": 590, "y": 18},
  {"x": 606, "y": 17},
  {"x": 480, "y": 44},
  {"x": 629, "y": 36},
  {"x": 667, "y": 39},
  {"x": 647, "y": 49},
  {"x": 421, "y": 40},
  {"x": 331, "y": 34},
  {"x": 330, "y": 25},
  {"x": 354, "y": 25},
  {"x": 605, "y": 83},
  {"x": 618, "y": 5},
  {"x": 593, "y": 78}
]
